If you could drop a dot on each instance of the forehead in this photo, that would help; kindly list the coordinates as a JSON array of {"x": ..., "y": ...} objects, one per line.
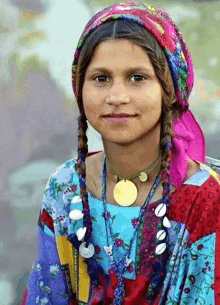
[{"x": 119, "y": 53}]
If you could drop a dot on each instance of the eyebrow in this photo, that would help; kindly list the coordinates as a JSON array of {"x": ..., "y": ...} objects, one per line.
[{"x": 127, "y": 71}]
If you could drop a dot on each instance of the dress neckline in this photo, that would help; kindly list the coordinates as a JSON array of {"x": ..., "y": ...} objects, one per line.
[{"x": 172, "y": 197}]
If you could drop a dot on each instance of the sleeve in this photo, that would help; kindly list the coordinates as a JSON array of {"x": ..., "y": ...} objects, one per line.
[{"x": 46, "y": 283}]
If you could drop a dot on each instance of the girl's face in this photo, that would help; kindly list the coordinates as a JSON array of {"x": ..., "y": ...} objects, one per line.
[{"x": 120, "y": 79}]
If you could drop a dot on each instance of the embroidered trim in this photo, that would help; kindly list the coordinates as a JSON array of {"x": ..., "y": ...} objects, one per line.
[
  {"x": 76, "y": 271},
  {"x": 66, "y": 275},
  {"x": 138, "y": 249}
]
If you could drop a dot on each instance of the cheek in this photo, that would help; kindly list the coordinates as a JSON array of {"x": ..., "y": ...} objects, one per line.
[
  {"x": 154, "y": 93},
  {"x": 151, "y": 103},
  {"x": 91, "y": 113},
  {"x": 89, "y": 104}
]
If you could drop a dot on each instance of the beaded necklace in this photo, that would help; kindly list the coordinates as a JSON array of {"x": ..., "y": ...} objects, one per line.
[{"x": 120, "y": 265}]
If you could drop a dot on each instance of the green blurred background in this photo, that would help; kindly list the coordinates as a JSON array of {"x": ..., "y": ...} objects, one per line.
[{"x": 38, "y": 112}]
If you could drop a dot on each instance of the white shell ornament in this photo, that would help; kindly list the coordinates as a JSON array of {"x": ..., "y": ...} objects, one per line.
[
  {"x": 160, "y": 248},
  {"x": 108, "y": 250},
  {"x": 160, "y": 211},
  {"x": 76, "y": 199},
  {"x": 80, "y": 233},
  {"x": 86, "y": 252},
  {"x": 161, "y": 234},
  {"x": 76, "y": 214},
  {"x": 166, "y": 222}
]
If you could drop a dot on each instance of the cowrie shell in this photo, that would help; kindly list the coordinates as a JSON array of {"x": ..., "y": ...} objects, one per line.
[
  {"x": 86, "y": 252},
  {"x": 160, "y": 248},
  {"x": 161, "y": 234},
  {"x": 166, "y": 222},
  {"x": 76, "y": 214},
  {"x": 76, "y": 199},
  {"x": 80, "y": 233},
  {"x": 160, "y": 211}
]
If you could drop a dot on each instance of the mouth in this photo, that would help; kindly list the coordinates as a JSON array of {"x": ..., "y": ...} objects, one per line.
[{"x": 119, "y": 118}]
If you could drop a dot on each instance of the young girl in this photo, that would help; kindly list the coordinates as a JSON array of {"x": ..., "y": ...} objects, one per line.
[{"x": 137, "y": 223}]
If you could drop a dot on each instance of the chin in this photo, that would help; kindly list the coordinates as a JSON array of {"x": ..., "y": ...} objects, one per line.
[{"x": 120, "y": 140}]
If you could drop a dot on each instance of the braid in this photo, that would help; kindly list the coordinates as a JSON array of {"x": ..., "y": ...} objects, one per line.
[
  {"x": 166, "y": 136},
  {"x": 169, "y": 111},
  {"x": 80, "y": 167}
]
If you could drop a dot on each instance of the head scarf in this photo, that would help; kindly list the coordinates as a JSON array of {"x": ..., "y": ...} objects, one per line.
[{"x": 188, "y": 140}]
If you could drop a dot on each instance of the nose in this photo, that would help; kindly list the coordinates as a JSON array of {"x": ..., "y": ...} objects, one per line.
[{"x": 117, "y": 96}]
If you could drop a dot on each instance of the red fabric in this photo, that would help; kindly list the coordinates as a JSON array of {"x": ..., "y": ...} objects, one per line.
[
  {"x": 135, "y": 291},
  {"x": 24, "y": 297},
  {"x": 217, "y": 268},
  {"x": 47, "y": 220},
  {"x": 93, "y": 152},
  {"x": 200, "y": 221}
]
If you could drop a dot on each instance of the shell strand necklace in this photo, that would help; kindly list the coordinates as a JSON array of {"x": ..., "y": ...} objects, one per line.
[{"x": 121, "y": 264}]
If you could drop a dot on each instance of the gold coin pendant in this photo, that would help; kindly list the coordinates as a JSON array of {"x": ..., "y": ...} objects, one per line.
[
  {"x": 125, "y": 193},
  {"x": 143, "y": 177}
]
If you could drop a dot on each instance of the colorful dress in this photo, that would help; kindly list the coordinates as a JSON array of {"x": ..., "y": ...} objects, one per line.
[{"x": 188, "y": 273}]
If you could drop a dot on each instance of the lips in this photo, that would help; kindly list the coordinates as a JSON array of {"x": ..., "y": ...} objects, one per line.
[{"x": 120, "y": 115}]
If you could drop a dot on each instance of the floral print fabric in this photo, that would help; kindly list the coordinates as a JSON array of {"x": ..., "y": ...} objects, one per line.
[
  {"x": 46, "y": 284},
  {"x": 191, "y": 272}
]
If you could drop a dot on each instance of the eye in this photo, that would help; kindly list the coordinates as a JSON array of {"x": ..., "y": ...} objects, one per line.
[
  {"x": 137, "y": 78},
  {"x": 101, "y": 78}
]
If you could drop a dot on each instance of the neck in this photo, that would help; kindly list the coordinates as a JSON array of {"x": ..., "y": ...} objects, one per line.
[{"x": 129, "y": 159}]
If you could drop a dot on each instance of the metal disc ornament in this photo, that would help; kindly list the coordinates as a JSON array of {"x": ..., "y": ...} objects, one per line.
[
  {"x": 86, "y": 252},
  {"x": 125, "y": 193},
  {"x": 143, "y": 177}
]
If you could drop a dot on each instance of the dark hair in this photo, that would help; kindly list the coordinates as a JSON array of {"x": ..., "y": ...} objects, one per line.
[{"x": 116, "y": 29}]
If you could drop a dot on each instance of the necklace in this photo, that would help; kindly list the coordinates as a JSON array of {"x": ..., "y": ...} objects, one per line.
[
  {"x": 120, "y": 265},
  {"x": 125, "y": 191}
]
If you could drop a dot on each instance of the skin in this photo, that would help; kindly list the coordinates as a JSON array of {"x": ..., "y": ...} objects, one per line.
[{"x": 121, "y": 78}]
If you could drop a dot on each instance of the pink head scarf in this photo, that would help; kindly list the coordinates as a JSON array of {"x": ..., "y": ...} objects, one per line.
[{"x": 188, "y": 140}]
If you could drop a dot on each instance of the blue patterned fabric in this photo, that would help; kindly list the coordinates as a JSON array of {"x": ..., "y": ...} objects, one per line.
[
  {"x": 190, "y": 271},
  {"x": 46, "y": 284}
]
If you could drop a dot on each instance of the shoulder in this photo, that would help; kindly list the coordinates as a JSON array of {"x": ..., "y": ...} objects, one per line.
[
  {"x": 204, "y": 218},
  {"x": 62, "y": 187},
  {"x": 62, "y": 180},
  {"x": 196, "y": 204},
  {"x": 202, "y": 187},
  {"x": 64, "y": 174},
  {"x": 198, "y": 172}
]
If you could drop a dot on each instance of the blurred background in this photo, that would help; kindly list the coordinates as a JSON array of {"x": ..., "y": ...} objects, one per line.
[{"x": 38, "y": 113}]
